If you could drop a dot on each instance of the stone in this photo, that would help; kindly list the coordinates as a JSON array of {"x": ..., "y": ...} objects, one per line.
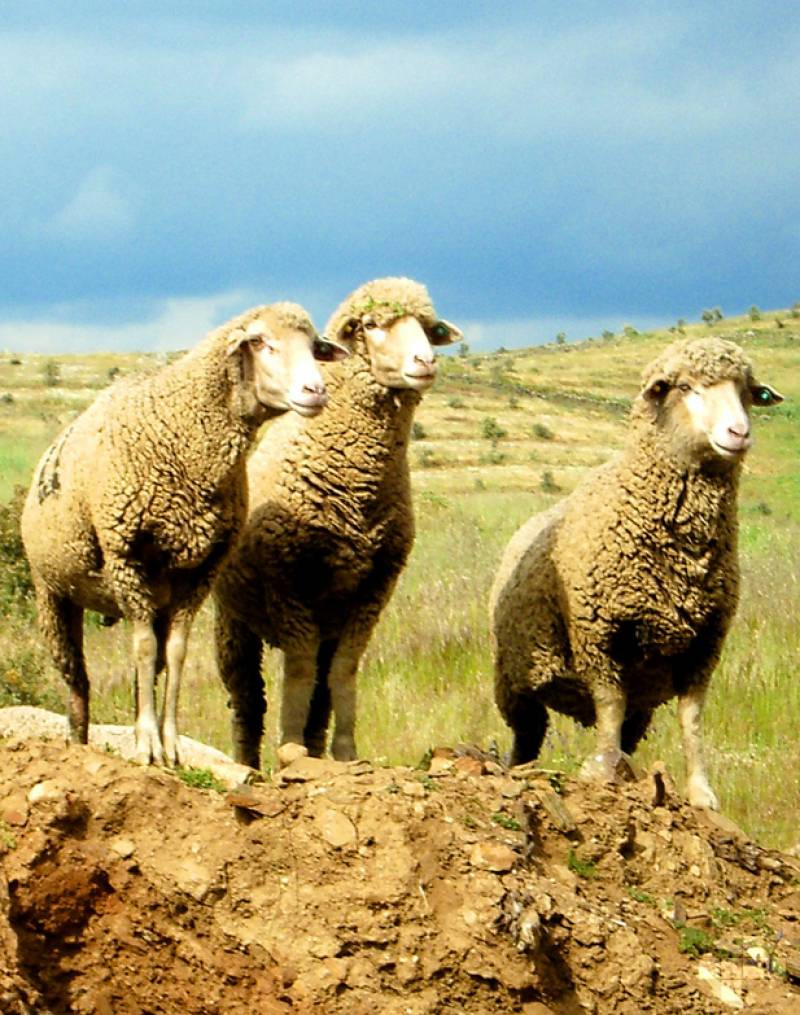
[
  {"x": 336, "y": 828},
  {"x": 492, "y": 856}
]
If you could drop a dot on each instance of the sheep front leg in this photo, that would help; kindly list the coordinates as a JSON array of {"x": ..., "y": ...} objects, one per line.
[
  {"x": 610, "y": 703},
  {"x": 147, "y": 738},
  {"x": 690, "y": 708},
  {"x": 299, "y": 674},
  {"x": 342, "y": 683},
  {"x": 177, "y": 639},
  {"x": 61, "y": 622}
]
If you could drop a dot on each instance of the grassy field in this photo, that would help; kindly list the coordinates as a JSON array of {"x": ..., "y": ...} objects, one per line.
[{"x": 502, "y": 436}]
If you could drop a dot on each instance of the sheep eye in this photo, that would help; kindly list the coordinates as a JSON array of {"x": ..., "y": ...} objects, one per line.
[
  {"x": 324, "y": 351},
  {"x": 257, "y": 343},
  {"x": 684, "y": 387},
  {"x": 439, "y": 332},
  {"x": 762, "y": 396},
  {"x": 368, "y": 323}
]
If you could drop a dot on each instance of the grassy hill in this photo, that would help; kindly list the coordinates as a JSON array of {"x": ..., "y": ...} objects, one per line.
[{"x": 502, "y": 435}]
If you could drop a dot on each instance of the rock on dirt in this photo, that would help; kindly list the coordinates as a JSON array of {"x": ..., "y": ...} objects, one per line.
[{"x": 335, "y": 889}]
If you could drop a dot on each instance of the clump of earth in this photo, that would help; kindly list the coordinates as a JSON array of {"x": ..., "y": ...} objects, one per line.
[{"x": 350, "y": 889}]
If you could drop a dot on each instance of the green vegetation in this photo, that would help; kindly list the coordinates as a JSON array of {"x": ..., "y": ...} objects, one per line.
[
  {"x": 583, "y": 868},
  {"x": 427, "y": 674},
  {"x": 200, "y": 778}
]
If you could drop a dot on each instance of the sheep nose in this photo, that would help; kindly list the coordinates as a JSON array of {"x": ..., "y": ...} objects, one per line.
[
  {"x": 424, "y": 361},
  {"x": 314, "y": 389},
  {"x": 739, "y": 430}
]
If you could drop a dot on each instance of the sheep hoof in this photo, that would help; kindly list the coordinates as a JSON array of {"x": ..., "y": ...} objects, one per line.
[
  {"x": 611, "y": 766},
  {"x": 702, "y": 795},
  {"x": 289, "y": 752},
  {"x": 148, "y": 748},
  {"x": 344, "y": 750}
]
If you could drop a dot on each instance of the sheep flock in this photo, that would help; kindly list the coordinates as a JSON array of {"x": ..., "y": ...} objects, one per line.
[{"x": 168, "y": 488}]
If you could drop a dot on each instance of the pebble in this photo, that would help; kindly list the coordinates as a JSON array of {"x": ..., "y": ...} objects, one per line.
[{"x": 492, "y": 856}]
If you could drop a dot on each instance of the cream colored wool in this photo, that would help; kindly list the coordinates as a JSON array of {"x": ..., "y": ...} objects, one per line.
[
  {"x": 330, "y": 528},
  {"x": 633, "y": 579},
  {"x": 134, "y": 506}
]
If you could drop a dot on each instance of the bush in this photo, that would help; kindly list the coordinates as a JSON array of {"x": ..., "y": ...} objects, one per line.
[
  {"x": 418, "y": 431},
  {"x": 16, "y": 586},
  {"x": 548, "y": 483},
  {"x": 754, "y": 313},
  {"x": 542, "y": 431},
  {"x": 561, "y": 338},
  {"x": 455, "y": 402},
  {"x": 51, "y": 373},
  {"x": 492, "y": 430}
]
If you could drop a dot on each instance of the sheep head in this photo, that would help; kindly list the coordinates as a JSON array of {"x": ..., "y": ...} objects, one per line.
[
  {"x": 278, "y": 350},
  {"x": 393, "y": 323},
  {"x": 698, "y": 395}
]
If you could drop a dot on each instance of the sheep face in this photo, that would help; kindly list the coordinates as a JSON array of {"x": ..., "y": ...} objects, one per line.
[
  {"x": 280, "y": 365},
  {"x": 708, "y": 422},
  {"x": 401, "y": 353}
]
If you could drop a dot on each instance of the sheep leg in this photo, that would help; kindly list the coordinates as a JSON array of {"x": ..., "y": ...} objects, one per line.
[
  {"x": 61, "y": 622},
  {"x": 299, "y": 675},
  {"x": 239, "y": 662},
  {"x": 604, "y": 764},
  {"x": 342, "y": 683},
  {"x": 690, "y": 708},
  {"x": 527, "y": 717},
  {"x": 634, "y": 728},
  {"x": 315, "y": 734},
  {"x": 145, "y": 650},
  {"x": 175, "y": 655}
]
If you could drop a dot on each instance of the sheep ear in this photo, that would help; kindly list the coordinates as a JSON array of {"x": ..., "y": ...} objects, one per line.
[
  {"x": 345, "y": 332},
  {"x": 234, "y": 341},
  {"x": 763, "y": 395},
  {"x": 444, "y": 333},
  {"x": 327, "y": 351},
  {"x": 655, "y": 389}
]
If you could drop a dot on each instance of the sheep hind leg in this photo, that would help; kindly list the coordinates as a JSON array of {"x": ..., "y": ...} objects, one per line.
[
  {"x": 239, "y": 653},
  {"x": 608, "y": 763},
  {"x": 634, "y": 728},
  {"x": 315, "y": 734},
  {"x": 698, "y": 789},
  {"x": 61, "y": 623},
  {"x": 527, "y": 717},
  {"x": 146, "y": 733},
  {"x": 172, "y": 646}
]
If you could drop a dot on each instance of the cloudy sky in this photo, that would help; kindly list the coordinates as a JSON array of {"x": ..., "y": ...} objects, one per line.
[{"x": 541, "y": 166}]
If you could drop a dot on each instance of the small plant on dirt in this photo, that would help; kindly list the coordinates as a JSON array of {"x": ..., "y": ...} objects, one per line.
[
  {"x": 754, "y": 313},
  {"x": 200, "y": 778},
  {"x": 426, "y": 458},
  {"x": 455, "y": 402},
  {"x": 583, "y": 868},
  {"x": 469, "y": 822},
  {"x": 506, "y": 821},
  {"x": 418, "y": 431},
  {"x": 694, "y": 941},
  {"x": 428, "y": 783},
  {"x": 542, "y": 431},
  {"x": 639, "y": 896},
  {"x": 7, "y": 839},
  {"x": 556, "y": 780},
  {"x": 493, "y": 457}
]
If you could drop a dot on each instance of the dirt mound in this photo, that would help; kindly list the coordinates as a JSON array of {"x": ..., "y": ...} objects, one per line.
[{"x": 336, "y": 888}]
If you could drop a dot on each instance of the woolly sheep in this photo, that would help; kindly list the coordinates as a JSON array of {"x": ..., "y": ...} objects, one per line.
[
  {"x": 619, "y": 597},
  {"x": 134, "y": 506},
  {"x": 330, "y": 525}
]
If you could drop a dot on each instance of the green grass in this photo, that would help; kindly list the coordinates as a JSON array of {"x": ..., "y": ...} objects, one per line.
[{"x": 426, "y": 678}]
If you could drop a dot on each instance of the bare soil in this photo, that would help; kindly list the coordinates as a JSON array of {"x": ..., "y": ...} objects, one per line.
[{"x": 343, "y": 888}]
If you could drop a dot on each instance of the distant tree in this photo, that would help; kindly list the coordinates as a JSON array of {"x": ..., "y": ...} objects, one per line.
[
  {"x": 708, "y": 317},
  {"x": 561, "y": 338},
  {"x": 463, "y": 349},
  {"x": 795, "y": 311},
  {"x": 608, "y": 335},
  {"x": 754, "y": 313},
  {"x": 717, "y": 312}
]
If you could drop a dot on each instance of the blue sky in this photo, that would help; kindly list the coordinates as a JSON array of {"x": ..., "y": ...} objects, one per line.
[{"x": 541, "y": 166}]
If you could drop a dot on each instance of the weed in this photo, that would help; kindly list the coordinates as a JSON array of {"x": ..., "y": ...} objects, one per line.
[
  {"x": 542, "y": 431},
  {"x": 506, "y": 821},
  {"x": 583, "y": 868},
  {"x": 469, "y": 822},
  {"x": 548, "y": 483},
  {"x": 492, "y": 430},
  {"x": 694, "y": 941},
  {"x": 639, "y": 896},
  {"x": 7, "y": 839},
  {"x": 200, "y": 778},
  {"x": 418, "y": 431}
]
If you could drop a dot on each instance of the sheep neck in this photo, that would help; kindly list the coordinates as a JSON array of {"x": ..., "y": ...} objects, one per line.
[
  {"x": 214, "y": 431},
  {"x": 689, "y": 504}
]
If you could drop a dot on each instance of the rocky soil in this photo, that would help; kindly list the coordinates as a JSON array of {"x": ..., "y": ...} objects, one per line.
[{"x": 343, "y": 888}]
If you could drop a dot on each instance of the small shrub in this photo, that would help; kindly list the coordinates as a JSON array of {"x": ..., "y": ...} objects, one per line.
[
  {"x": 112, "y": 373},
  {"x": 418, "y": 431},
  {"x": 779, "y": 323},
  {"x": 708, "y": 317},
  {"x": 16, "y": 585},
  {"x": 506, "y": 821},
  {"x": 561, "y": 338},
  {"x": 607, "y": 335},
  {"x": 51, "y": 373},
  {"x": 7, "y": 398},
  {"x": 493, "y": 457},
  {"x": 548, "y": 483},
  {"x": 695, "y": 942},
  {"x": 492, "y": 430},
  {"x": 542, "y": 431},
  {"x": 463, "y": 349},
  {"x": 479, "y": 483},
  {"x": 513, "y": 402},
  {"x": 754, "y": 313},
  {"x": 629, "y": 331},
  {"x": 794, "y": 312},
  {"x": 426, "y": 458},
  {"x": 583, "y": 868},
  {"x": 455, "y": 402}
]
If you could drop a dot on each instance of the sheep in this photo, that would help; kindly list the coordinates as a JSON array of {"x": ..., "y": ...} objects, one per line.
[
  {"x": 619, "y": 597},
  {"x": 134, "y": 506},
  {"x": 330, "y": 527}
]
